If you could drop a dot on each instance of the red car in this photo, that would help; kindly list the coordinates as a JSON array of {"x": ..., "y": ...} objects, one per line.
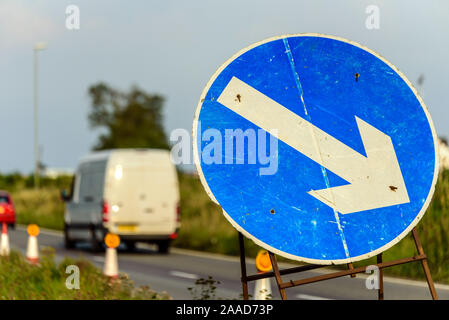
[{"x": 7, "y": 211}]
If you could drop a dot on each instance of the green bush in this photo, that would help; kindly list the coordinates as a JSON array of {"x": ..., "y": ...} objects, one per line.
[
  {"x": 17, "y": 181},
  {"x": 40, "y": 206}
]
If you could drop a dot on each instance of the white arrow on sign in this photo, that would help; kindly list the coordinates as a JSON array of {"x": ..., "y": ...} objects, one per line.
[{"x": 375, "y": 181}]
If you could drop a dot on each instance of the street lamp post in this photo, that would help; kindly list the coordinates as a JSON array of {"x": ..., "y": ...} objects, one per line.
[{"x": 38, "y": 47}]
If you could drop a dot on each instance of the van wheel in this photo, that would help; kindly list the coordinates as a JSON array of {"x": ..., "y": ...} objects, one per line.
[
  {"x": 95, "y": 244},
  {"x": 130, "y": 246},
  {"x": 68, "y": 243},
  {"x": 163, "y": 246}
]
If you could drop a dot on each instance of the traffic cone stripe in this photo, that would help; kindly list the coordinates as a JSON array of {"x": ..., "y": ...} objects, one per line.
[
  {"x": 32, "y": 253},
  {"x": 4, "y": 245},
  {"x": 111, "y": 262},
  {"x": 263, "y": 289}
]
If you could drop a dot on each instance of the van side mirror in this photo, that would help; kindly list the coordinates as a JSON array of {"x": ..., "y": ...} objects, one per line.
[{"x": 65, "y": 196}]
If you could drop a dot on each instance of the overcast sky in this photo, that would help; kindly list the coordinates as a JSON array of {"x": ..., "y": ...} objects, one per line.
[{"x": 172, "y": 48}]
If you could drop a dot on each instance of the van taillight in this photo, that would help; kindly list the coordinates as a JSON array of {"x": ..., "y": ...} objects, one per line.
[
  {"x": 173, "y": 236},
  {"x": 178, "y": 213},
  {"x": 105, "y": 211}
]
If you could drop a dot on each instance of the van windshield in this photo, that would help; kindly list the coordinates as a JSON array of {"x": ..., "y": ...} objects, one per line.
[{"x": 91, "y": 182}]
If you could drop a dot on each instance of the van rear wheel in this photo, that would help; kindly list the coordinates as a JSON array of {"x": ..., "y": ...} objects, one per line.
[
  {"x": 163, "y": 246},
  {"x": 130, "y": 246},
  {"x": 95, "y": 243},
  {"x": 68, "y": 243}
]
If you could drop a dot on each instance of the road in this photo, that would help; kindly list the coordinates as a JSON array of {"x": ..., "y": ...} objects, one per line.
[{"x": 177, "y": 271}]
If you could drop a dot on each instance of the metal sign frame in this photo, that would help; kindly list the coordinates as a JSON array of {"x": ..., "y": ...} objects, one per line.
[{"x": 282, "y": 285}]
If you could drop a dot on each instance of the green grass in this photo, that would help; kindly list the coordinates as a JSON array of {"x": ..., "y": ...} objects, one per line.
[
  {"x": 205, "y": 228},
  {"x": 42, "y": 207},
  {"x": 22, "y": 281}
]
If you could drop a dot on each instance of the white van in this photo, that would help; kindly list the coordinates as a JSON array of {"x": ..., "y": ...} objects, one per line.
[{"x": 130, "y": 192}]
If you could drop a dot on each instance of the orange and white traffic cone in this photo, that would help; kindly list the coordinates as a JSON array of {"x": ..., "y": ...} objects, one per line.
[
  {"x": 263, "y": 286},
  {"x": 111, "y": 261},
  {"x": 263, "y": 289},
  {"x": 4, "y": 245},
  {"x": 32, "y": 253}
]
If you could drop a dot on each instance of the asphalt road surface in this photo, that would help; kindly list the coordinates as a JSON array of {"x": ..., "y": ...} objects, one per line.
[{"x": 178, "y": 270}]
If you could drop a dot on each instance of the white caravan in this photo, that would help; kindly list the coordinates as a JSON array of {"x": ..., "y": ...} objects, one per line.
[{"x": 130, "y": 192}]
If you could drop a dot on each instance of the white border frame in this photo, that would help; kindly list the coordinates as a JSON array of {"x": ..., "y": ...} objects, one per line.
[{"x": 263, "y": 244}]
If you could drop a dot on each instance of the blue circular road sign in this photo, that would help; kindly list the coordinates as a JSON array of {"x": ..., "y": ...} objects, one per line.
[{"x": 316, "y": 148}]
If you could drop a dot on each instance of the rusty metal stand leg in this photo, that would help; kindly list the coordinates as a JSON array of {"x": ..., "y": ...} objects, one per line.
[
  {"x": 243, "y": 267},
  {"x": 277, "y": 275},
  {"x": 351, "y": 267},
  {"x": 425, "y": 265},
  {"x": 380, "y": 291}
]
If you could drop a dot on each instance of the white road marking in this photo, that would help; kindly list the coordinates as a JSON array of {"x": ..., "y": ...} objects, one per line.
[
  {"x": 185, "y": 275},
  {"x": 310, "y": 297},
  {"x": 375, "y": 181}
]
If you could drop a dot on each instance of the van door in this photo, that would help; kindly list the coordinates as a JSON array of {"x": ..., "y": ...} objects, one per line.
[
  {"x": 85, "y": 208},
  {"x": 145, "y": 198}
]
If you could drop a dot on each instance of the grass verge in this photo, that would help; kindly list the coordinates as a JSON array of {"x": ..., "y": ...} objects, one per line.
[{"x": 22, "y": 281}]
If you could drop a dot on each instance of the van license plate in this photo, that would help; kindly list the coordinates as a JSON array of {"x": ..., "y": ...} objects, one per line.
[{"x": 127, "y": 228}]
